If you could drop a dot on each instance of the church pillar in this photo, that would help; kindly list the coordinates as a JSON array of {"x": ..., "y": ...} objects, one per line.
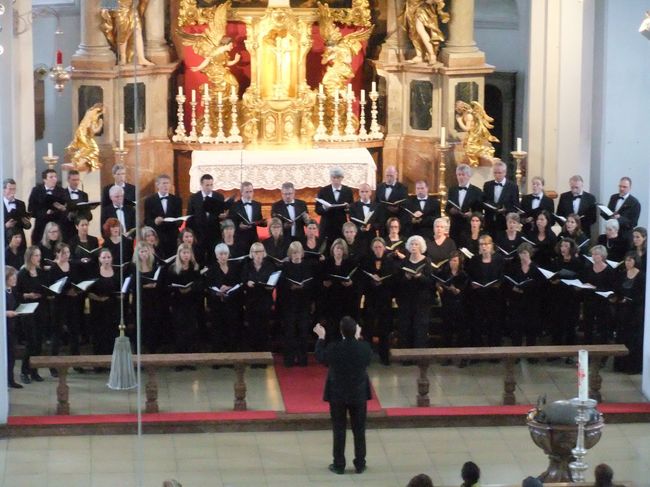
[
  {"x": 156, "y": 49},
  {"x": 460, "y": 49},
  {"x": 93, "y": 51},
  {"x": 392, "y": 50}
]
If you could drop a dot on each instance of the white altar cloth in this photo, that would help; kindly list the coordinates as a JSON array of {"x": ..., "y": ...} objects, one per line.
[{"x": 268, "y": 169}]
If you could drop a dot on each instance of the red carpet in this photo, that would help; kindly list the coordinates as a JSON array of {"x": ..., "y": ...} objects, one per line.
[{"x": 302, "y": 388}]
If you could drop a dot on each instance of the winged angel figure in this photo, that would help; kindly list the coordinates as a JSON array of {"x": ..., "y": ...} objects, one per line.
[
  {"x": 214, "y": 45},
  {"x": 339, "y": 50},
  {"x": 473, "y": 120},
  {"x": 123, "y": 30}
]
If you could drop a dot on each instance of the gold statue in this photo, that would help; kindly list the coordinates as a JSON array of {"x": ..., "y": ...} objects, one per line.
[
  {"x": 215, "y": 47},
  {"x": 84, "y": 152},
  {"x": 473, "y": 120},
  {"x": 421, "y": 19},
  {"x": 123, "y": 30}
]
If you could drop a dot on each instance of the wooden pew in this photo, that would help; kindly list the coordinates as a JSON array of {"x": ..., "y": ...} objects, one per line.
[
  {"x": 150, "y": 363},
  {"x": 425, "y": 356}
]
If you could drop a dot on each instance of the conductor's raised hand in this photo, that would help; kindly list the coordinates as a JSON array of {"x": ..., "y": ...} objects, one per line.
[
  {"x": 320, "y": 331},
  {"x": 357, "y": 333}
]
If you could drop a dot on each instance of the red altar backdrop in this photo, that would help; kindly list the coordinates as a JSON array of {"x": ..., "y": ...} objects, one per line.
[{"x": 242, "y": 71}]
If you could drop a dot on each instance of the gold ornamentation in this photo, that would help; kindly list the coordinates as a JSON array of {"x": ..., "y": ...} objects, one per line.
[
  {"x": 473, "y": 120},
  {"x": 84, "y": 152},
  {"x": 123, "y": 30},
  {"x": 421, "y": 19}
]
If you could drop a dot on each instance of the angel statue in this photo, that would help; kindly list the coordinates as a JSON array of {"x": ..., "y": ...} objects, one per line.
[
  {"x": 123, "y": 30},
  {"x": 83, "y": 149},
  {"x": 215, "y": 47},
  {"x": 472, "y": 119},
  {"x": 421, "y": 19}
]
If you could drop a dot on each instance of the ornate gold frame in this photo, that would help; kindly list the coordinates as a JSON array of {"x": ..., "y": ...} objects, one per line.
[{"x": 358, "y": 15}]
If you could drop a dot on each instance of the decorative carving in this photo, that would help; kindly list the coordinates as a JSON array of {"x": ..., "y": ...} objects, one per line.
[
  {"x": 123, "y": 30},
  {"x": 478, "y": 141},
  {"x": 84, "y": 152},
  {"x": 421, "y": 19}
]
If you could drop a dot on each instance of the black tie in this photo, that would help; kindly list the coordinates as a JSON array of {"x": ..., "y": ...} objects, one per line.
[
  {"x": 621, "y": 197},
  {"x": 577, "y": 197},
  {"x": 536, "y": 197},
  {"x": 247, "y": 204},
  {"x": 164, "y": 198},
  {"x": 74, "y": 191},
  {"x": 462, "y": 188},
  {"x": 389, "y": 186},
  {"x": 366, "y": 204},
  {"x": 499, "y": 184},
  {"x": 289, "y": 204}
]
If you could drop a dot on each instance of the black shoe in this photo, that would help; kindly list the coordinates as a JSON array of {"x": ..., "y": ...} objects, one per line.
[
  {"x": 25, "y": 379},
  {"x": 360, "y": 468},
  {"x": 337, "y": 470},
  {"x": 15, "y": 385},
  {"x": 54, "y": 373},
  {"x": 36, "y": 377}
]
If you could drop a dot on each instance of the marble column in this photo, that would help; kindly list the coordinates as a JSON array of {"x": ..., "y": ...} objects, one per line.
[
  {"x": 392, "y": 50},
  {"x": 155, "y": 47},
  {"x": 93, "y": 51},
  {"x": 460, "y": 49}
]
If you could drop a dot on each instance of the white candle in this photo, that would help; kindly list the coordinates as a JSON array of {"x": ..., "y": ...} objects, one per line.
[
  {"x": 219, "y": 98},
  {"x": 443, "y": 137},
  {"x": 50, "y": 150},
  {"x": 205, "y": 90},
  {"x": 363, "y": 96},
  {"x": 121, "y": 136},
  {"x": 349, "y": 88},
  {"x": 233, "y": 93},
  {"x": 374, "y": 87},
  {"x": 519, "y": 144},
  {"x": 193, "y": 96},
  {"x": 583, "y": 375},
  {"x": 180, "y": 90},
  {"x": 321, "y": 90}
]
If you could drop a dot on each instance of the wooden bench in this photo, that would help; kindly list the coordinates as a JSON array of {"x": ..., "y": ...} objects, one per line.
[
  {"x": 425, "y": 356},
  {"x": 150, "y": 363}
]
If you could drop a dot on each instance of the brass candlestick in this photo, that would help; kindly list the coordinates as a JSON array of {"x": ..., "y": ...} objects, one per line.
[
  {"x": 193, "y": 137},
  {"x": 363, "y": 133},
  {"x": 442, "y": 173},
  {"x": 349, "y": 122},
  {"x": 234, "y": 128},
  {"x": 519, "y": 157},
  {"x": 321, "y": 131},
  {"x": 120, "y": 154},
  {"x": 180, "y": 134},
  {"x": 221, "y": 136},
  {"x": 206, "y": 133},
  {"x": 375, "y": 132},
  {"x": 51, "y": 161}
]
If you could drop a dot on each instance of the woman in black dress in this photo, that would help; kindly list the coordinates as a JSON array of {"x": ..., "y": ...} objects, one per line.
[
  {"x": 152, "y": 331},
  {"x": 121, "y": 247},
  {"x": 294, "y": 297},
  {"x": 616, "y": 244},
  {"x": 640, "y": 247},
  {"x": 51, "y": 236},
  {"x": 149, "y": 235},
  {"x": 339, "y": 297},
  {"x": 470, "y": 241},
  {"x": 225, "y": 301},
  {"x": 187, "y": 236},
  {"x": 572, "y": 229},
  {"x": 508, "y": 241},
  {"x": 441, "y": 246},
  {"x": 597, "y": 310},
  {"x": 395, "y": 242},
  {"x": 29, "y": 289},
  {"x": 104, "y": 297},
  {"x": 229, "y": 238},
  {"x": 357, "y": 250},
  {"x": 414, "y": 295},
  {"x": 276, "y": 245},
  {"x": 378, "y": 274},
  {"x": 85, "y": 249},
  {"x": 258, "y": 299},
  {"x": 313, "y": 245},
  {"x": 543, "y": 239},
  {"x": 11, "y": 303},
  {"x": 15, "y": 252},
  {"x": 629, "y": 299}
]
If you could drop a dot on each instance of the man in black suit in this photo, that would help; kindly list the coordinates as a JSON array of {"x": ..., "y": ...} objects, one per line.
[
  {"x": 208, "y": 209},
  {"x": 46, "y": 203},
  {"x": 422, "y": 211},
  {"x": 119, "y": 176},
  {"x": 289, "y": 210},
  {"x": 162, "y": 205},
  {"x": 500, "y": 197},
  {"x": 347, "y": 389},
  {"x": 333, "y": 218},
  {"x": 117, "y": 209},
  {"x": 626, "y": 208},
  {"x": 463, "y": 200},
  {"x": 533, "y": 204},
  {"x": 15, "y": 213},
  {"x": 74, "y": 194},
  {"x": 247, "y": 216},
  {"x": 359, "y": 211},
  {"x": 579, "y": 202},
  {"x": 390, "y": 191}
]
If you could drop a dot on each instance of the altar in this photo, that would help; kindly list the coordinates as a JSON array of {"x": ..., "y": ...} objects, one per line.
[{"x": 268, "y": 169}]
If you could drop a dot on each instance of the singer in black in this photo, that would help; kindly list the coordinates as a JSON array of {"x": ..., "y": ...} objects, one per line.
[
  {"x": 159, "y": 206},
  {"x": 15, "y": 214},
  {"x": 464, "y": 200},
  {"x": 420, "y": 211},
  {"x": 150, "y": 292},
  {"x": 46, "y": 203},
  {"x": 598, "y": 317},
  {"x": 640, "y": 247},
  {"x": 247, "y": 216},
  {"x": 104, "y": 296},
  {"x": 11, "y": 303},
  {"x": 572, "y": 229},
  {"x": 452, "y": 284},
  {"x": 500, "y": 197},
  {"x": 333, "y": 217},
  {"x": 85, "y": 249},
  {"x": 339, "y": 295},
  {"x": 208, "y": 210},
  {"x": 292, "y": 212},
  {"x": 579, "y": 202}
]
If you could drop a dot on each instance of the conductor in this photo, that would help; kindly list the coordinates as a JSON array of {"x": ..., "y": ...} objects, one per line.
[{"x": 347, "y": 389}]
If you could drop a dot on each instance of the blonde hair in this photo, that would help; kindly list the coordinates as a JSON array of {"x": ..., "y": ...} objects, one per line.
[
  {"x": 295, "y": 248},
  {"x": 45, "y": 242},
  {"x": 136, "y": 255},
  {"x": 31, "y": 250},
  {"x": 257, "y": 246},
  {"x": 343, "y": 244},
  {"x": 178, "y": 267},
  {"x": 9, "y": 271}
]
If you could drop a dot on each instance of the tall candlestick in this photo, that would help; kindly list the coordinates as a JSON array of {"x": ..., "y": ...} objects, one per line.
[
  {"x": 363, "y": 97},
  {"x": 193, "y": 96},
  {"x": 349, "y": 89},
  {"x": 121, "y": 145},
  {"x": 583, "y": 375},
  {"x": 519, "y": 144},
  {"x": 180, "y": 90},
  {"x": 50, "y": 150},
  {"x": 374, "y": 86},
  {"x": 443, "y": 137}
]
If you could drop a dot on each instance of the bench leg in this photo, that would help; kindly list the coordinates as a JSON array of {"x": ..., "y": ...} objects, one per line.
[
  {"x": 240, "y": 388},
  {"x": 423, "y": 385},
  {"x": 509, "y": 384},
  {"x": 595, "y": 379},
  {"x": 63, "y": 392},
  {"x": 151, "y": 391}
]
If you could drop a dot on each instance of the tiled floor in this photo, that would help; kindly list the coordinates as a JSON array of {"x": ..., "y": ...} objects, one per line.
[
  {"x": 212, "y": 390},
  {"x": 300, "y": 459}
]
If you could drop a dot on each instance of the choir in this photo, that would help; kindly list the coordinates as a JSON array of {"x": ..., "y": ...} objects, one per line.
[{"x": 492, "y": 270}]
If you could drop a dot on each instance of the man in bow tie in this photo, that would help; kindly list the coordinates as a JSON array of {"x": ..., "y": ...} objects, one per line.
[
  {"x": 579, "y": 202},
  {"x": 208, "y": 210},
  {"x": 119, "y": 178},
  {"x": 500, "y": 197},
  {"x": 463, "y": 200},
  {"x": 533, "y": 204},
  {"x": 359, "y": 213},
  {"x": 625, "y": 208},
  {"x": 47, "y": 203},
  {"x": 390, "y": 191},
  {"x": 247, "y": 216},
  {"x": 124, "y": 213},
  {"x": 332, "y": 215},
  {"x": 14, "y": 213},
  {"x": 75, "y": 194},
  {"x": 292, "y": 212},
  {"x": 422, "y": 211},
  {"x": 159, "y": 206}
]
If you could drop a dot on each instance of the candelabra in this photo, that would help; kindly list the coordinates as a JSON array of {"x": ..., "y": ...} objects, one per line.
[
  {"x": 579, "y": 467},
  {"x": 375, "y": 133},
  {"x": 234, "y": 128},
  {"x": 50, "y": 160},
  {"x": 519, "y": 156},
  {"x": 120, "y": 154},
  {"x": 363, "y": 133},
  {"x": 442, "y": 173},
  {"x": 221, "y": 136},
  {"x": 206, "y": 133},
  {"x": 59, "y": 76},
  {"x": 349, "y": 118},
  {"x": 321, "y": 131},
  {"x": 336, "y": 133},
  {"x": 180, "y": 135},
  {"x": 193, "y": 137}
]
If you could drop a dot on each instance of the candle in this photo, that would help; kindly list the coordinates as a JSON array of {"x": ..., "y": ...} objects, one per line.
[
  {"x": 50, "y": 150},
  {"x": 374, "y": 87},
  {"x": 219, "y": 99},
  {"x": 180, "y": 90},
  {"x": 443, "y": 137},
  {"x": 193, "y": 96},
  {"x": 233, "y": 93},
  {"x": 363, "y": 96},
  {"x": 350, "y": 89},
  {"x": 519, "y": 144},
  {"x": 321, "y": 90},
  {"x": 121, "y": 136},
  {"x": 205, "y": 90},
  {"x": 59, "y": 57},
  {"x": 583, "y": 375}
]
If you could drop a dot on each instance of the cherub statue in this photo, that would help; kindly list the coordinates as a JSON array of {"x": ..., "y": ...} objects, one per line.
[
  {"x": 339, "y": 51},
  {"x": 215, "y": 47},
  {"x": 83, "y": 149},
  {"x": 123, "y": 30},
  {"x": 421, "y": 19},
  {"x": 472, "y": 119}
]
